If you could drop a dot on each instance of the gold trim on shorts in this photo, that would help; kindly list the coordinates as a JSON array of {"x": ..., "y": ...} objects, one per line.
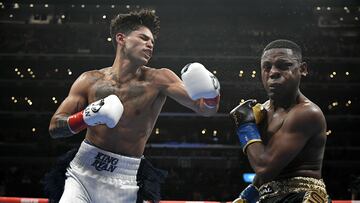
[{"x": 314, "y": 189}]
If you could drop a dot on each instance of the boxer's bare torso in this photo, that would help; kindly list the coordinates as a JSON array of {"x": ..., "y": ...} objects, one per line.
[
  {"x": 142, "y": 99},
  {"x": 142, "y": 93},
  {"x": 307, "y": 160}
]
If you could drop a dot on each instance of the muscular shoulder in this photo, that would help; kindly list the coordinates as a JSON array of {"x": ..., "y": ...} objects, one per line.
[
  {"x": 86, "y": 80},
  {"x": 307, "y": 110},
  {"x": 306, "y": 116},
  {"x": 162, "y": 76},
  {"x": 95, "y": 74},
  {"x": 90, "y": 77}
]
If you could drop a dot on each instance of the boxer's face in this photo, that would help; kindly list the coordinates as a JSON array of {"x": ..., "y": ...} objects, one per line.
[
  {"x": 138, "y": 45},
  {"x": 281, "y": 72}
]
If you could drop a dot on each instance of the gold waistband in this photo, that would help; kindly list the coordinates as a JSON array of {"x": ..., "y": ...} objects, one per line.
[{"x": 293, "y": 185}]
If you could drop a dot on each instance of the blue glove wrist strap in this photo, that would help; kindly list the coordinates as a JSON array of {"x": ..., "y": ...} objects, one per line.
[
  {"x": 250, "y": 193},
  {"x": 248, "y": 133}
]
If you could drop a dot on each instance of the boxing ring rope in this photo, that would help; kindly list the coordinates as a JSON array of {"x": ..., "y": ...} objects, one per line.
[
  {"x": 44, "y": 200},
  {"x": 23, "y": 200}
]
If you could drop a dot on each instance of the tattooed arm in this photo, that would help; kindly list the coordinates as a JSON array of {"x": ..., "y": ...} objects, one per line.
[{"x": 73, "y": 103}]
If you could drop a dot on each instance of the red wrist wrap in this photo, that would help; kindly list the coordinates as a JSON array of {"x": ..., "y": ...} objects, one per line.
[
  {"x": 212, "y": 102},
  {"x": 76, "y": 122}
]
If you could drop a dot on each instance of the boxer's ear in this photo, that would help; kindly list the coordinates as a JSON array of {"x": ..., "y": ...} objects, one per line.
[
  {"x": 120, "y": 38},
  {"x": 303, "y": 69}
]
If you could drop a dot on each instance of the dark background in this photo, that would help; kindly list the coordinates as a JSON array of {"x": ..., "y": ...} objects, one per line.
[{"x": 46, "y": 45}]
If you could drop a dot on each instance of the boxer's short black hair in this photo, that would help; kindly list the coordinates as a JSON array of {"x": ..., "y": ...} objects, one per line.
[
  {"x": 286, "y": 44},
  {"x": 126, "y": 23}
]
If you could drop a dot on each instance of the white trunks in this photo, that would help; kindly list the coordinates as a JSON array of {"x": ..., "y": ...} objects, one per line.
[{"x": 99, "y": 176}]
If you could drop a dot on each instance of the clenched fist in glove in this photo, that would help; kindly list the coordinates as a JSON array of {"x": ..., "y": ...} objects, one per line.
[
  {"x": 201, "y": 83},
  {"x": 246, "y": 116},
  {"x": 106, "y": 111}
]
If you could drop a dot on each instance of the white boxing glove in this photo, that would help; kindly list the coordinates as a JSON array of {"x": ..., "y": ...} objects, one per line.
[
  {"x": 106, "y": 111},
  {"x": 199, "y": 82}
]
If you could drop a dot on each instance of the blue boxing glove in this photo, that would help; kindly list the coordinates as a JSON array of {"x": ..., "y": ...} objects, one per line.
[
  {"x": 246, "y": 116},
  {"x": 249, "y": 195}
]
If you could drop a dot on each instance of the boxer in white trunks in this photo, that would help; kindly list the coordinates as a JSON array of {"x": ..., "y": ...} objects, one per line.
[{"x": 119, "y": 106}]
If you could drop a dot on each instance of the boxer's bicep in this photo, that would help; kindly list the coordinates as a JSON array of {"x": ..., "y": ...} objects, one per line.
[
  {"x": 281, "y": 150},
  {"x": 73, "y": 103},
  {"x": 173, "y": 87},
  {"x": 284, "y": 145}
]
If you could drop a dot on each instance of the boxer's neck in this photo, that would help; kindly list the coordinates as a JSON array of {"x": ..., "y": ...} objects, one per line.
[
  {"x": 287, "y": 102},
  {"x": 124, "y": 69}
]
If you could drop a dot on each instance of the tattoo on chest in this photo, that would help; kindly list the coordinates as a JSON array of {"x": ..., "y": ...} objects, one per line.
[
  {"x": 104, "y": 90},
  {"x": 137, "y": 96},
  {"x": 136, "y": 91}
]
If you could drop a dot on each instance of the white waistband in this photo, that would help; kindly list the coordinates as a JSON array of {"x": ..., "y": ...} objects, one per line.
[{"x": 104, "y": 163}]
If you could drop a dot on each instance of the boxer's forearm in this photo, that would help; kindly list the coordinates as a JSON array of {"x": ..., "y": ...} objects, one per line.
[
  {"x": 59, "y": 127},
  {"x": 261, "y": 162},
  {"x": 105, "y": 111}
]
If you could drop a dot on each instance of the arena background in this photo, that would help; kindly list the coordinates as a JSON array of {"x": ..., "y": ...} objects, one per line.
[{"x": 46, "y": 45}]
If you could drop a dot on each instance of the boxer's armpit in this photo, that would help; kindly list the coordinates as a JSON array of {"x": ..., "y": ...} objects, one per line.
[{"x": 61, "y": 128}]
